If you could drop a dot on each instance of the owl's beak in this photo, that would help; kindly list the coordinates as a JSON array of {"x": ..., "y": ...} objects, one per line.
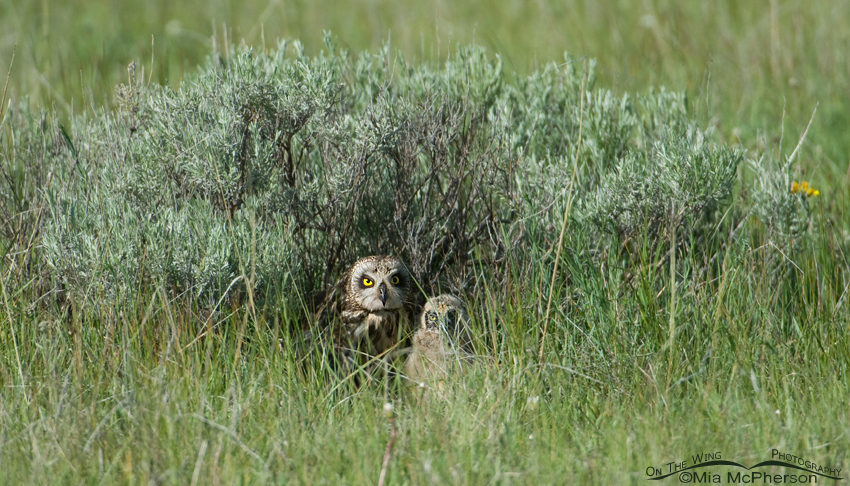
[{"x": 383, "y": 289}]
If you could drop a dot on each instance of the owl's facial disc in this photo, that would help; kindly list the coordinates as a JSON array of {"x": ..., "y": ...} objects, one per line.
[
  {"x": 378, "y": 291},
  {"x": 432, "y": 320}
]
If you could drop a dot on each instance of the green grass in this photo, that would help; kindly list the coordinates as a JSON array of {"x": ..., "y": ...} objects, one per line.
[
  {"x": 126, "y": 395},
  {"x": 99, "y": 389}
]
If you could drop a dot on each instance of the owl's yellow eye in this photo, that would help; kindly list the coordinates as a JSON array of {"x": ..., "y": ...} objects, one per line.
[
  {"x": 432, "y": 317},
  {"x": 396, "y": 280},
  {"x": 367, "y": 282}
]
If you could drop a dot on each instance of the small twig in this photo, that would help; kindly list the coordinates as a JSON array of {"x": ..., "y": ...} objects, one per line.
[
  {"x": 212, "y": 312},
  {"x": 198, "y": 462},
  {"x": 150, "y": 75},
  {"x": 99, "y": 426},
  {"x": 771, "y": 243},
  {"x": 230, "y": 433},
  {"x": 8, "y": 75},
  {"x": 570, "y": 370},
  {"x": 388, "y": 411},
  {"x": 14, "y": 339},
  {"x": 672, "y": 330},
  {"x": 803, "y": 137}
]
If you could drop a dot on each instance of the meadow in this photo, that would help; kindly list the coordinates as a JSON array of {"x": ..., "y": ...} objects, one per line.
[{"x": 647, "y": 275}]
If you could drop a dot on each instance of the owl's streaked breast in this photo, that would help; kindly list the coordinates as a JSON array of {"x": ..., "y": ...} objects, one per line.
[
  {"x": 369, "y": 310},
  {"x": 377, "y": 332}
]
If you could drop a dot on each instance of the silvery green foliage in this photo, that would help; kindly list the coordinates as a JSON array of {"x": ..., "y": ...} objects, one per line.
[
  {"x": 785, "y": 213},
  {"x": 230, "y": 133},
  {"x": 680, "y": 178},
  {"x": 179, "y": 197},
  {"x": 544, "y": 114},
  {"x": 265, "y": 167},
  {"x": 617, "y": 133},
  {"x": 662, "y": 112}
]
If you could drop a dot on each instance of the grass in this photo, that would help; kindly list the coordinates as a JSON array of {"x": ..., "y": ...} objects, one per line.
[
  {"x": 123, "y": 396},
  {"x": 737, "y": 344}
]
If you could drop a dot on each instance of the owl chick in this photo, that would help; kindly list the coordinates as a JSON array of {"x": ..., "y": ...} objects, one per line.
[
  {"x": 441, "y": 342},
  {"x": 369, "y": 310}
]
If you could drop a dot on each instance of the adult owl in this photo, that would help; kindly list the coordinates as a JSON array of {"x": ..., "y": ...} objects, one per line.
[
  {"x": 370, "y": 309},
  {"x": 441, "y": 341}
]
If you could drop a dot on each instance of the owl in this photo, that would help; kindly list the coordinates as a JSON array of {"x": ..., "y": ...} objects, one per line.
[
  {"x": 441, "y": 341},
  {"x": 369, "y": 310}
]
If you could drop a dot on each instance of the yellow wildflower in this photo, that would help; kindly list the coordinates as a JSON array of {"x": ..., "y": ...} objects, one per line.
[{"x": 804, "y": 188}]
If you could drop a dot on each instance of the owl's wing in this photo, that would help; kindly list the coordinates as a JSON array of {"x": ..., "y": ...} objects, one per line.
[
  {"x": 325, "y": 307},
  {"x": 412, "y": 313}
]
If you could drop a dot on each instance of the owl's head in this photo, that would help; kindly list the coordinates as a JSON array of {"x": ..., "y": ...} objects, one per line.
[
  {"x": 444, "y": 311},
  {"x": 379, "y": 283}
]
